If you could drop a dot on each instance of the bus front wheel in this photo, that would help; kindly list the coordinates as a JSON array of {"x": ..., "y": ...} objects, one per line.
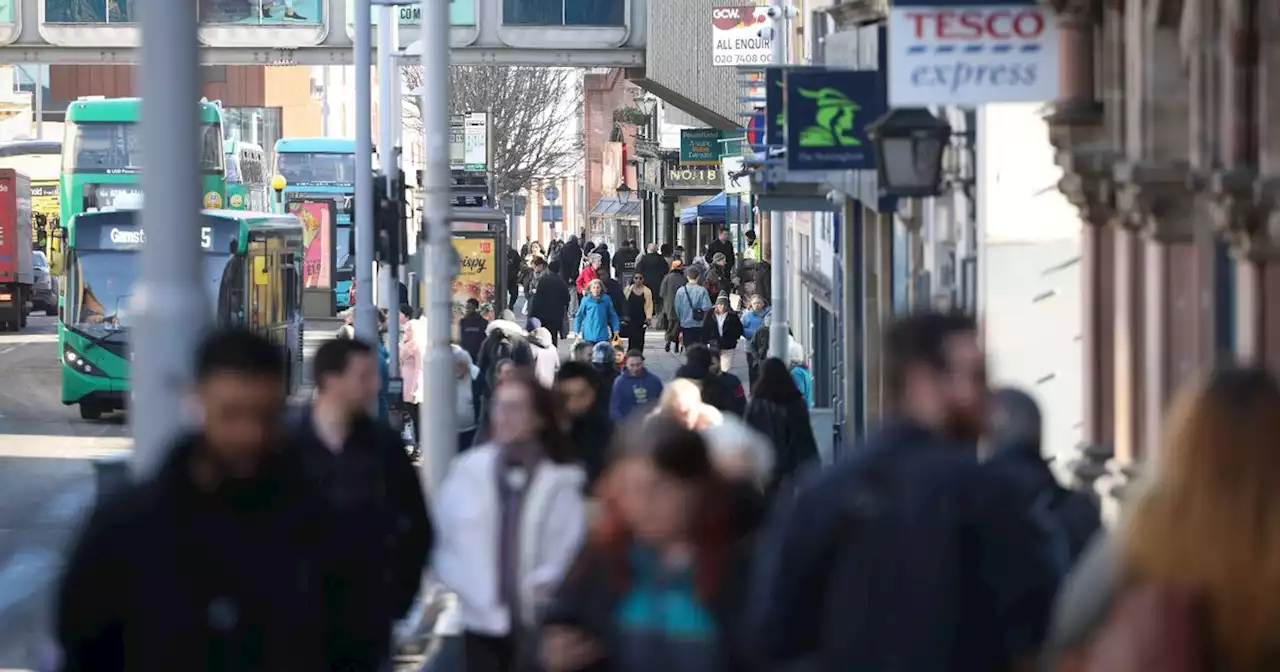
[{"x": 90, "y": 411}]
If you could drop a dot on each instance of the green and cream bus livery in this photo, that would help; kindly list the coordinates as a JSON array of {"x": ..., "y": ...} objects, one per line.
[{"x": 250, "y": 270}]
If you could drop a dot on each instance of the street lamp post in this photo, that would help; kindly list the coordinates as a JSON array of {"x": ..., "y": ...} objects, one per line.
[
  {"x": 624, "y": 193},
  {"x": 909, "y": 144}
]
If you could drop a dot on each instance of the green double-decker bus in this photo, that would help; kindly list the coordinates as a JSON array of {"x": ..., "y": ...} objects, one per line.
[
  {"x": 251, "y": 269},
  {"x": 102, "y": 154}
]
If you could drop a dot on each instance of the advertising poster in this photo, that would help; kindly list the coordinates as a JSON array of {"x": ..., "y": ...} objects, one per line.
[
  {"x": 261, "y": 12},
  {"x": 477, "y": 276},
  {"x": 736, "y": 32},
  {"x": 317, "y": 242}
]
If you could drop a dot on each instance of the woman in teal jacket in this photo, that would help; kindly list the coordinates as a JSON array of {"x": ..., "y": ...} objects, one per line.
[{"x": 597, "y": 318}]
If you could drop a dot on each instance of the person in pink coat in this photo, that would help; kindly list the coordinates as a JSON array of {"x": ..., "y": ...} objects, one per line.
[{"x": 412, "y": 335}]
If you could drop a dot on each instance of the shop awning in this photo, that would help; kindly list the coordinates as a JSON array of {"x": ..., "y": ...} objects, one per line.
[
  {"x": 711, "y": 210},
  {"x": 610, "y": 207}
]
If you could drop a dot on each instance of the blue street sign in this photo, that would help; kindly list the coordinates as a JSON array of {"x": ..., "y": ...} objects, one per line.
[{"x": 551, "y": 194}]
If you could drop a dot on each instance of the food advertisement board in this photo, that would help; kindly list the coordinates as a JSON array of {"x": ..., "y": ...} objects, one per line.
[
  {"x": 317, "y": 242},
  {"x": 477, "y": 276}
]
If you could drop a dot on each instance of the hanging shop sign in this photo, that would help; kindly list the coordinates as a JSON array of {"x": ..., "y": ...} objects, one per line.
[
  {"x": 827, "y": 115},
  {"x": 736, "y": 179},
  {"x": 700, "y": 146},
  {"x": 691, "y": 177},
  {"x": 971, "y": 54},
  {"x": 736, "y": 32}
]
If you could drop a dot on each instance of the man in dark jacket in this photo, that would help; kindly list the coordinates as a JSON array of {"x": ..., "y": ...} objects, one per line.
[
  {"x": 570, "y": 259},
  {"x": 910, "y": 530},
  {"x": 624, "y": 260},
  {"x": 514, "y": 263},
  {"x": 653, "y": 267},
  {"x": 550, "y": 302},
  {"x": 1014, "y": 432},
  {"x": 361, "y": 465},
  {"x": 721, "y": 245},
  {"x": 226, "y": 558},
  {"x": 590, "y": 428},
  {"x": 472, "y": 327}
]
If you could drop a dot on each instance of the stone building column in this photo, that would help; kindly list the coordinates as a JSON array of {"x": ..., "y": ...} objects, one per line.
[{"x": 1085, "y": 150}]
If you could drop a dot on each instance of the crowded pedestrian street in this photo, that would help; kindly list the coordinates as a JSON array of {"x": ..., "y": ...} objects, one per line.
[{"x": 638, "y": 336}]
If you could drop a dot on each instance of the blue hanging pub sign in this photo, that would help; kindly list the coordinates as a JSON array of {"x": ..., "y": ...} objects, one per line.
[{"x": 827, "y": 112}]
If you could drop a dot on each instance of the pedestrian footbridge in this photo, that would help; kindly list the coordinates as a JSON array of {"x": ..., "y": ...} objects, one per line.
[
  {"x": 581, "y": 33},
  {"x": 664, "y": 45}
]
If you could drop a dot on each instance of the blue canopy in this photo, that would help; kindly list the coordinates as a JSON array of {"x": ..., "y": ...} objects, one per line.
[{"x": 712, "y": 210}]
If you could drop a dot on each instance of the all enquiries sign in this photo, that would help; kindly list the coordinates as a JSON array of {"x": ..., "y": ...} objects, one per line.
[
  {"x": 971, "y": 54},
  {"x": 736, "y": 34}
]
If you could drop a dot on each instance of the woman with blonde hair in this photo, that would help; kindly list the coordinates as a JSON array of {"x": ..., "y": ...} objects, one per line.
[
  {"x": 1203, "y": 534},
  {"x": 597, "y": 319}
]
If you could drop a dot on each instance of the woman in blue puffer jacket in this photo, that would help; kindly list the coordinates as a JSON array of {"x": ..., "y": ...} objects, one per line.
[{"x": 597, "y": 318}]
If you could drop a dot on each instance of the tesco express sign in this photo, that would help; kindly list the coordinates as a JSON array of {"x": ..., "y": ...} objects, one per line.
[{"x": 972, "y": 55}]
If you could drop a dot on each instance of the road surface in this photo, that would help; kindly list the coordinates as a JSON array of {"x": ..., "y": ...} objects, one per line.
[{"x": 46, "y": 481}]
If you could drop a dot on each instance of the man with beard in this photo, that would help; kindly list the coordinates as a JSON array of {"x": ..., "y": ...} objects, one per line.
[
  {"x": 910, "y": 530},
  {"x": 225, "y": 558},
  {"x": 589, "y": 427}
]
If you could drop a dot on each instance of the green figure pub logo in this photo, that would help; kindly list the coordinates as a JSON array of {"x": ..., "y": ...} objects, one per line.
[{"x": 833, "y": 120}]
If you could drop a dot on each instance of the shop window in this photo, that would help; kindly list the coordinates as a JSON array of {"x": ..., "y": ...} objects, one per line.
[{"x": 563, "y": 12}]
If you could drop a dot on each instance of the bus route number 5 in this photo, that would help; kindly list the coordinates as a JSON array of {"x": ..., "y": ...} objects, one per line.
[{"x": 206, "y": 237}]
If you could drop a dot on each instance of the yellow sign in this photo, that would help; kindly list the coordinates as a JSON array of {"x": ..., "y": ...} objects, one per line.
[
  {"x": 260, "y": 271},
  {"x": 213, "y": 200},
  {"x": 477, "y": 277},
  {"x": 44, "y": 198},
  {"x": 237, "y": 201}
]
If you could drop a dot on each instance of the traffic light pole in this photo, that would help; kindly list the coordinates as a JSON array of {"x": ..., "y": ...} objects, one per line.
[
  {"x": 173, "y": 311},
  {"x": 366, "y": 312},
  {"x": 437, "y": 417},
  {"x": 389, "y": 90}
]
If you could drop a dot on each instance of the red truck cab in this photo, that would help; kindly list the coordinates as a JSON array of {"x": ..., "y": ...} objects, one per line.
[{"x": 17, "y": 272}]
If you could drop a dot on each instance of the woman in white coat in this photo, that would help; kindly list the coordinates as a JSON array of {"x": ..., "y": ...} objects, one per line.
[{"x": 509, "y": 520}]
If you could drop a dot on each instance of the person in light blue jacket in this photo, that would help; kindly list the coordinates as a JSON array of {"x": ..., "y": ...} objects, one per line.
[
  {"x": 597, "y": 318},
  {"x": 798, "y": 365},
  {"x": 756, "y": 316},
  {"x": 692, "y": 304}
]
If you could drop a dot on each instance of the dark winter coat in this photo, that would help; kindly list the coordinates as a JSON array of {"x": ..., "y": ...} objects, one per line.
[
  {"x": 624, "y": 263},
  {"x": 374, "y": 483},
  {"x": 590, "y": 434},
  {"x": 255, "y": 576},
  {"x": 653, "y": 267},
  {"x": 570, "y": 259},
  {"x": 550, "y": 302},
  {"x": 790, "y": 433},
  {"x": 727, "y": 339},
  {"x": 725, "y": 248},
  {"x": 471, "y": 334},
  {"x": 908, "y": 555}
]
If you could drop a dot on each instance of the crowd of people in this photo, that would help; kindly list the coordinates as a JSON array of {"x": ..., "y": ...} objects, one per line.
[{"x": 598, "y": 518}]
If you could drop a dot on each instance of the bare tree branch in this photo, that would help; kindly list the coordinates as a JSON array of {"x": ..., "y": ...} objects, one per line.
[{"x": 532, "y": 111}]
